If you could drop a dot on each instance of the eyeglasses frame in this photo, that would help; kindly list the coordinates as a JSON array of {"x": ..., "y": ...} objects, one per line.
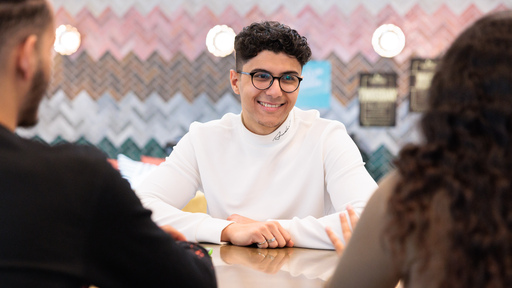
[{"x": 271, "y": 81}]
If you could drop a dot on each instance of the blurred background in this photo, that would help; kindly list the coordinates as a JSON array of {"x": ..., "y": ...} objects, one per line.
[{"x": 143, "y": 71}]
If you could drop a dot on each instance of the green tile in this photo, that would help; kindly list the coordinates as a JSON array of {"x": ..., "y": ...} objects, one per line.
[
  {"x": 130, "y": 149},
  {"x": 153, "y": 149},
  {"x": 106, "y": 146}
]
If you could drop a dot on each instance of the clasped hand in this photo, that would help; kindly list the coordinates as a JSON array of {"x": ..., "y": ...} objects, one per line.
[
  {"x": 270, "y": 234},
  {"x": 245, "y": 231}
]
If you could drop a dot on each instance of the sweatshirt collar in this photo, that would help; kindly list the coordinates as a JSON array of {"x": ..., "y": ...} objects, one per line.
[{"x": 279, "y": 135}]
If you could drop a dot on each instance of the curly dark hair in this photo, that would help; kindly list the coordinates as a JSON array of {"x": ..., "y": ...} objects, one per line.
[
  {"x": 453, "y": 203},
  {"x": 272, "y": 36},
  {"x": 20, "y": 18}
]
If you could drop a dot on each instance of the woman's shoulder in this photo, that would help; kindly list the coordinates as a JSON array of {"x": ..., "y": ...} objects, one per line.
[
  {"x": 380, "y": 198},
  {"x": 388, "y": 183}
]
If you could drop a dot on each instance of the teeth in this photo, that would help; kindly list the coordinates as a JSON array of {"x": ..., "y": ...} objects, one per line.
[{"x": 270, "y": 105}]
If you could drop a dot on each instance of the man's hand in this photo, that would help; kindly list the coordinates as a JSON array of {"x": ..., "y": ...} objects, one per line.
[
  {"x": 246, "y": 231},
  {"x": 347, "y": 233},
  {"x": 177, "y": 235}
]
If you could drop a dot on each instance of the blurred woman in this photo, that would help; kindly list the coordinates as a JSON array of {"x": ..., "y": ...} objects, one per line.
[{"x": 444, "y": 217}]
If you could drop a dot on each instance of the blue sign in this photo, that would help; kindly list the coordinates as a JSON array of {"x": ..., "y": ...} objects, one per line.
[{"x": 315, "y": 89}]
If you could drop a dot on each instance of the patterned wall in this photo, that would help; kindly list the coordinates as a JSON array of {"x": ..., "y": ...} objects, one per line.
[{"x": 143, "y": 72}]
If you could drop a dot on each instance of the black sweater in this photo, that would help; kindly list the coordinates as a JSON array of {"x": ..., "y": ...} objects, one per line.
[{"x": 68, "y": 219}]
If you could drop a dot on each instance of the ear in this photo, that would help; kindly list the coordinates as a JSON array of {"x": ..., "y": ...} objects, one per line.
[
  {"x": 26, "y": 60},
  {"x": 235, "y": 81}
]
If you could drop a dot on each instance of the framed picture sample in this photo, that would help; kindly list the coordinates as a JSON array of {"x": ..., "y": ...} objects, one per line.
[
  {"x": 422, "y": 71},
  {"x": 378, "y": 93}
]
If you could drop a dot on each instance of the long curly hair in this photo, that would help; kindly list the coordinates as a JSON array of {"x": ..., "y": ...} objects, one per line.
[
  {"x": 453, "y": 202},
  {"x": 272, "y": 36}
]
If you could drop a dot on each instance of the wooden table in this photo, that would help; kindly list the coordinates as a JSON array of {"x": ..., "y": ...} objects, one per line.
[{"x": 278, "y": 268}]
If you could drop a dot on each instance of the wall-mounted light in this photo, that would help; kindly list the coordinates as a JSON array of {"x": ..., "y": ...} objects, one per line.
[
  {"x": 220, "y": 40},
  {"x": 388, "y": 40},
  {"x": 67, "y": 40}
]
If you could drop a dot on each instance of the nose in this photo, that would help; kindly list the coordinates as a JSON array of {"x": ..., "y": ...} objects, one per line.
[{"x": 275, "y": 90}]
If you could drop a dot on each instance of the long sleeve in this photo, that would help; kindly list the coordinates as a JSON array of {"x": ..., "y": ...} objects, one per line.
[
  {"x": 127, "y": 249},
  {"x": 170, "y": 187},
  {"x": 302, "y": 174},
  {"x": 367, "y": 262},
  {"x": 347, "y": 183}
]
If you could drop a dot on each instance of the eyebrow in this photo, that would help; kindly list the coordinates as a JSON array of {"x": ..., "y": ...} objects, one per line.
[{"x": 266, "y": 71}]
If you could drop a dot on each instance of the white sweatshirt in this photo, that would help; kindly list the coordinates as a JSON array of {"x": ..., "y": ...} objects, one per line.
[{"x": 300, "y": 175}]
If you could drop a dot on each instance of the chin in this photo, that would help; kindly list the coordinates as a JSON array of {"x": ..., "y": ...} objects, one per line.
[
  {"x": 27, "y": 122},
  {"x": 29, "y": 116}
]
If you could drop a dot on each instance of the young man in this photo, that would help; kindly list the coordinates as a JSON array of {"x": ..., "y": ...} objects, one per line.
[
  {"x": 67, "y": 217},
  {"x": 273, "y": 175}
]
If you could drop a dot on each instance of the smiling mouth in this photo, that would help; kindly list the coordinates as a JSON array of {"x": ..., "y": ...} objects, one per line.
[{"x": 270, "y": 105}]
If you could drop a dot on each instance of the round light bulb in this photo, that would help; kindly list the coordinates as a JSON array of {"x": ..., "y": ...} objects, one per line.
[
  {"x": 388, "y": 40},
  {"x": 220, "y": 40},
  {"x": 67, "y": 40}
]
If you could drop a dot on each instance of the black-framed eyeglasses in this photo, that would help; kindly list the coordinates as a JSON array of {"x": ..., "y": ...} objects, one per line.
[{"x": 263, "y": 80}]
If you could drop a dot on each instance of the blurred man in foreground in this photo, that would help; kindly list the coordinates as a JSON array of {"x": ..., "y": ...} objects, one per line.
[{"x": 67, "y": 218}]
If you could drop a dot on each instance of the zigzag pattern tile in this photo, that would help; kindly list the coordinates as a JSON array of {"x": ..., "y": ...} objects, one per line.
[
  {"x": 165, "y": 118},
  {"x": 153, "y": 119},
  {"x": 143, "y": 74},
  {"x": 329, "y": 32},
  {"x": 268, "y": 7},
  {"x": 166, "y": 122},
  {"x": 135, "y": 128},
  {"x": 207, "y": 74}
]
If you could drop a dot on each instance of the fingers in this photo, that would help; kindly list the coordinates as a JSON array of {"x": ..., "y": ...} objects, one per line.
[
  {"x": 353, "y": 216},
  {"x": 345, "y": 228},
  {"x": 177, "y": 235},
  {"x": 339, "y": 246},
  {"x": 263, "y": 244},
  {"x": 287, "y": 238},
  {"x": 280, "y": 235},
  {"x": 290, "y": 243},
  {"x": 336, "y": 242},
  {"x": 269, "y": 241},
  {"x": 267, "y": 237},
  {"x": 233, "y": 217},
  {"x": 275, "y": 235}
]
